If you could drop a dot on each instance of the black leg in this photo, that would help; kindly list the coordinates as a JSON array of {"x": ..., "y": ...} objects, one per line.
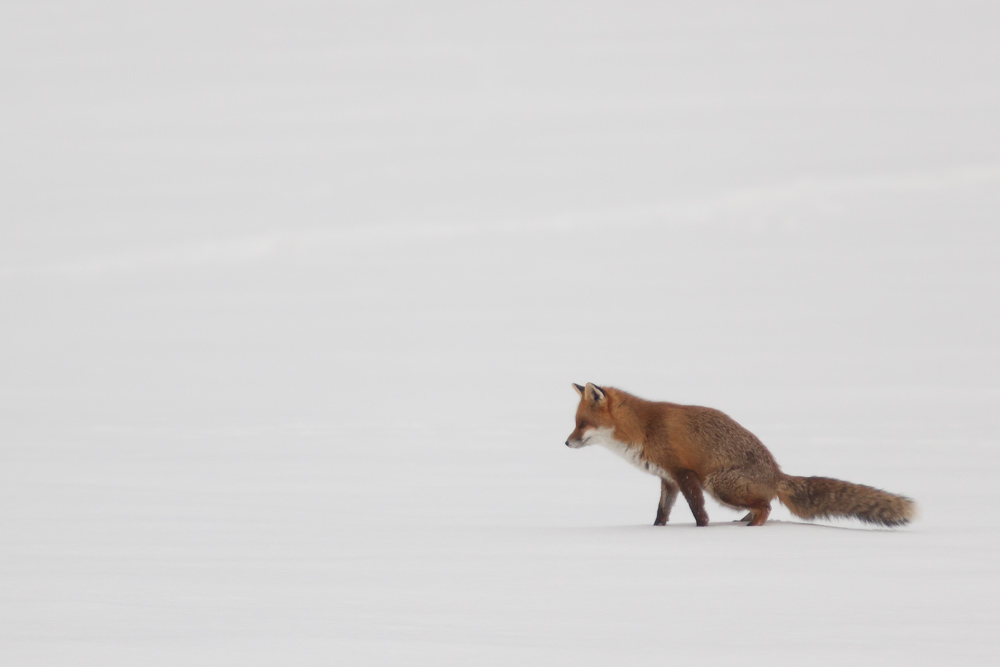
[
  {"x": 668, "y": 494},
  {"x": 691, "y": 488}
]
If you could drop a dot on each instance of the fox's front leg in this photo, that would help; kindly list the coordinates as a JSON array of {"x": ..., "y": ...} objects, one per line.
[
  {"x": 691, "y": 488},
  {"x": 668, "y": 494}
]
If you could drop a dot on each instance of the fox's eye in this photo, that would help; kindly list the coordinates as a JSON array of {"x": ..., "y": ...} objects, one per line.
[{"x": 583, "y": 425}]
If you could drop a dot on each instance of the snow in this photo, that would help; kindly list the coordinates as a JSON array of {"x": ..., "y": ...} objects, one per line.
[{"x": 292, "y": 295}]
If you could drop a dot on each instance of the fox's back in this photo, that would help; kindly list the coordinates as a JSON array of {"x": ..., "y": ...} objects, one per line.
[
  {"x": 702, "y": 439},
  {"x": 725, "y": 444}
]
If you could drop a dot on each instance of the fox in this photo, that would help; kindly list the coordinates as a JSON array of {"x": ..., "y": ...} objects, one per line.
[{"x": 693, "y": 448}]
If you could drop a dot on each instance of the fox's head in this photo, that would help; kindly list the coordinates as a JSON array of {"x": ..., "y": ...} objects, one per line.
[{"x": 591, "y": 414}]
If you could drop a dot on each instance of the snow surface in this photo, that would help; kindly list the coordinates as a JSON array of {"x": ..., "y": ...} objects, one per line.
[{"x": 292, "y": 295}]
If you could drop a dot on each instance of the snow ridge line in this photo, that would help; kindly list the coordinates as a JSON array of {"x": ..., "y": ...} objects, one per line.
[{"x": 695, "y": 211}]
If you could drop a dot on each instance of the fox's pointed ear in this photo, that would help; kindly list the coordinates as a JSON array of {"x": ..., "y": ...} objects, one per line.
[
  {"x": 580, "y": 389},
  {"x": 593, "y": 393}
]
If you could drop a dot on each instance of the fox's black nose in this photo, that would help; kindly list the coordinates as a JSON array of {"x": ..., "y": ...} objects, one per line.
[{"x": 567, "y": 443}]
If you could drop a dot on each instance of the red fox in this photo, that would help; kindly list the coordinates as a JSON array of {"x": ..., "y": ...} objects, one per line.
[{"x": 691, "y": 448}]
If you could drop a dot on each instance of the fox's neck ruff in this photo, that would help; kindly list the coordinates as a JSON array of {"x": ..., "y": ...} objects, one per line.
[{"x": 631, "y": 452}]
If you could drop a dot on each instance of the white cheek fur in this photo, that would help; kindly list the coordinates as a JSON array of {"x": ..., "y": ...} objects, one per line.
[{"x": 630, "y": 452}]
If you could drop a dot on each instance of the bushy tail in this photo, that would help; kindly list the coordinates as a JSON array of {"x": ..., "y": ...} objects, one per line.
[{"x": 822, "y": 498}]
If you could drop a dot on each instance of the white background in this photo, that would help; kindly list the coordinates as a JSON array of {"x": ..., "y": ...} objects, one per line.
[{"x": 292, "y": 295}]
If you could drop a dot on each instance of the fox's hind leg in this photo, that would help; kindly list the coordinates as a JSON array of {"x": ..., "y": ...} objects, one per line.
[
  {"x": 760, "y": 514},
  {"x": 668, "y": 494},
  {"x": 735, "y": 489}
]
